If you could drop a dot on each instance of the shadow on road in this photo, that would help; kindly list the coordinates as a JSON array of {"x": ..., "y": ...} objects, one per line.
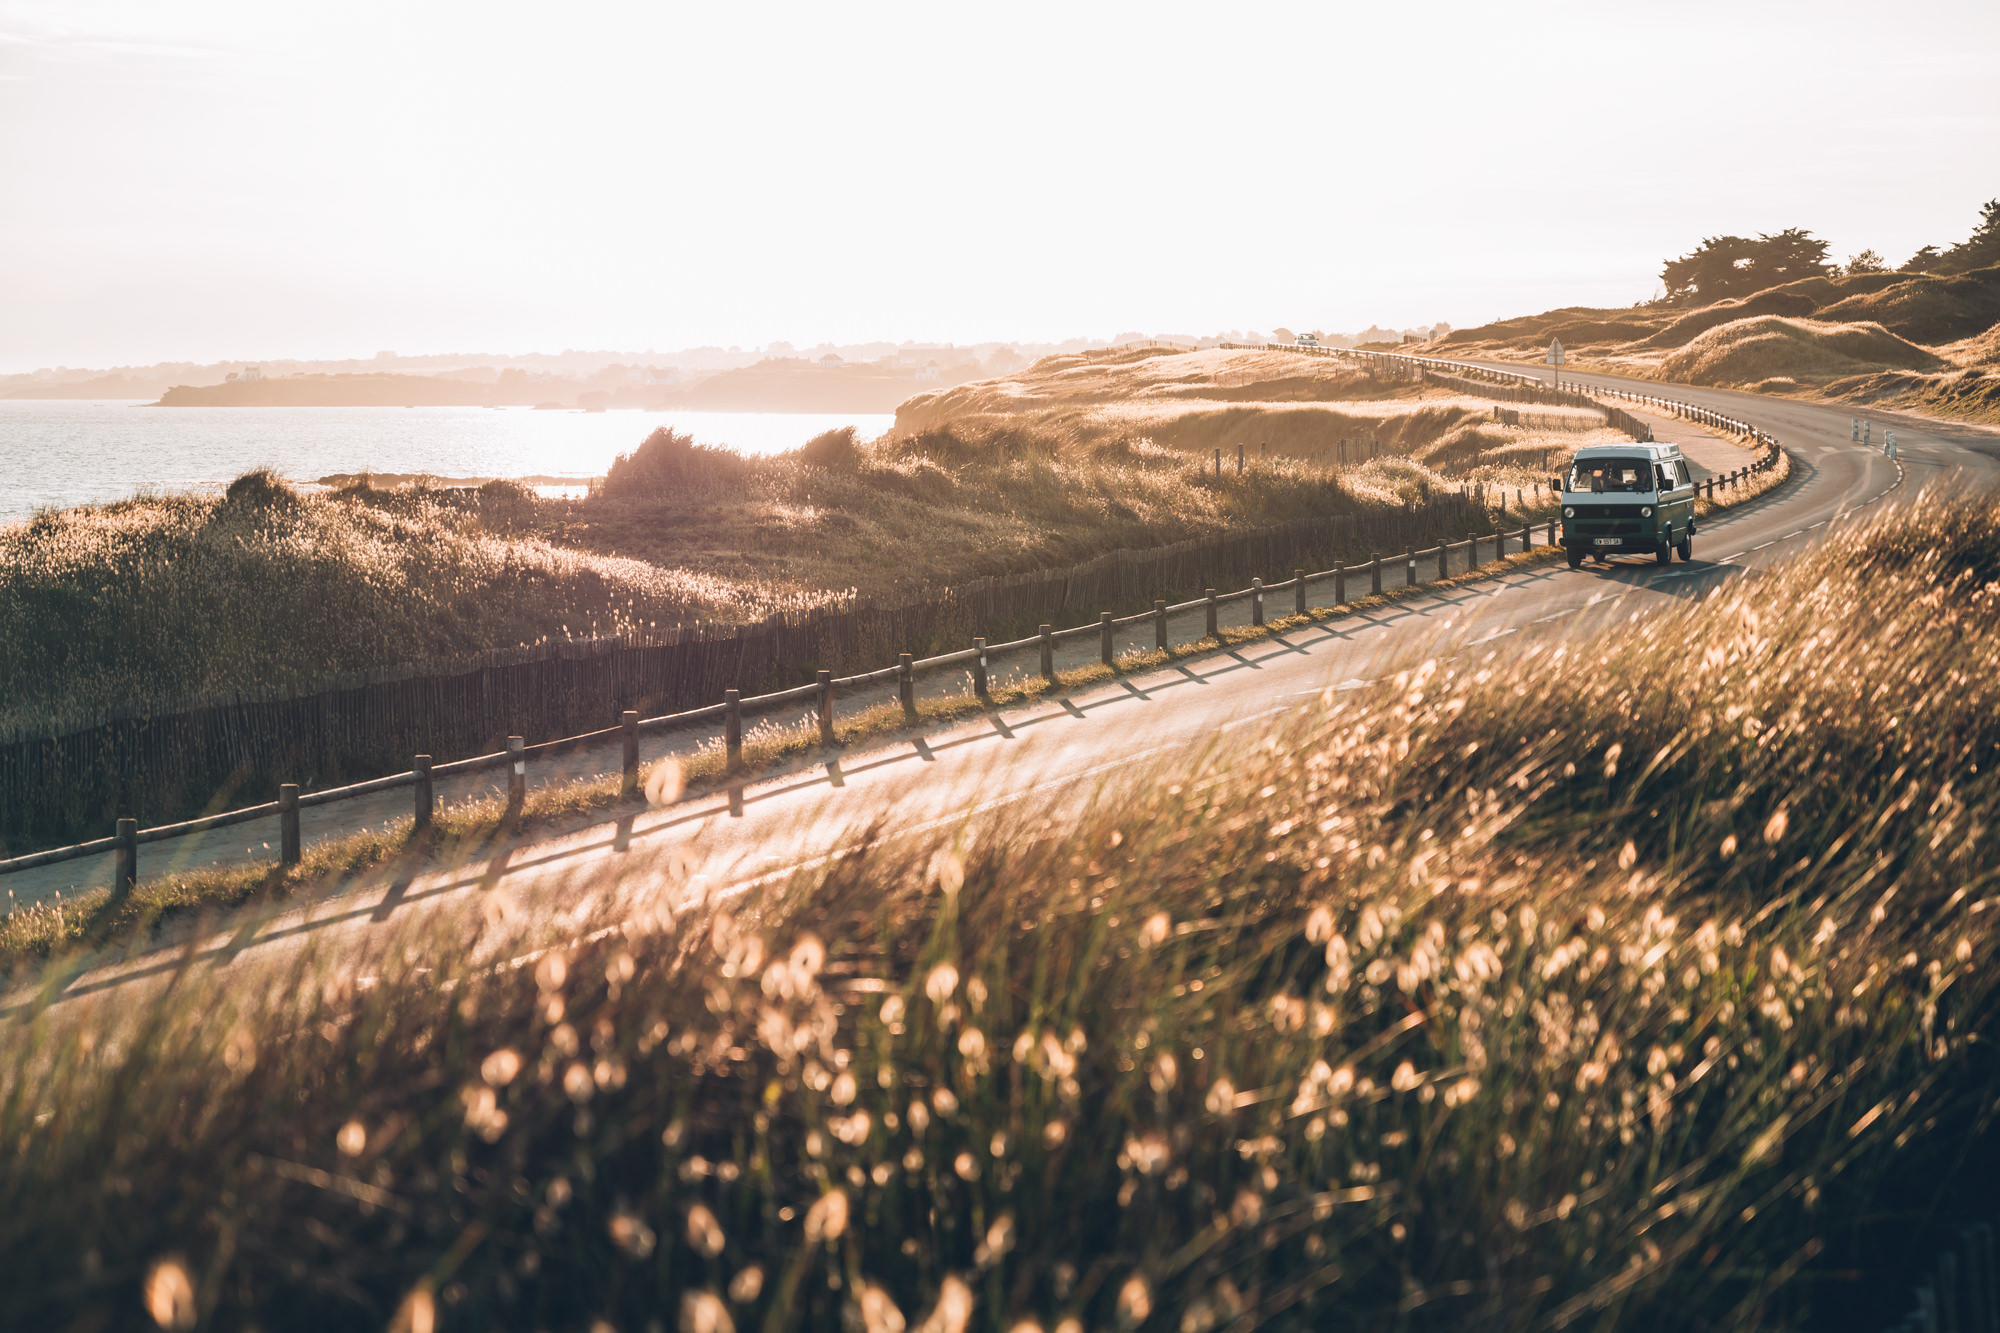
[{"x": 1684, "y": 582}]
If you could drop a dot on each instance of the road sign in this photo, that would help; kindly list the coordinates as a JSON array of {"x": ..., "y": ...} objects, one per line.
[{"x": 1555, "y": 351}]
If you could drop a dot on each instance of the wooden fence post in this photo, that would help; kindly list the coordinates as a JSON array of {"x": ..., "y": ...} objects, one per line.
[
  {"x": 1444, "y": 559},
  {"x": 1339, "y": 583},
  {"x": 1472, "y": 550},
  {"x": 628, "y": 724},
  {"x": 1410, "y": 568},
  {"x": 1104, "y": 638},
  {"x": 1160, "y": 624},
  {"x": 1256, "y": 601},
  {"x": 732, "y": 730},
  {"x": 426, "y": 802},
  {"x": 825, "y": 680},
  {"x": 1298, "y": 592},
  {"x": 1375, "y": 572},
  {"x": 288, "y": 823},
  {"x": 906, "y": 685},
  {"x": 517, "y": 776},
  {"x": 979, "y": 669},
  {"x": 1209, "y": 593},
  {"x": 1239, "y": 460},
  {"x": 1218, "y": 465},
  {"x": 1048, "y": 656},
  {"x": 125, "y": 861}
]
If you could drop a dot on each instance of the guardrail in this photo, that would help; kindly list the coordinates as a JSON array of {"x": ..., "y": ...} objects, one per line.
[{"x": 824, "y": 693}]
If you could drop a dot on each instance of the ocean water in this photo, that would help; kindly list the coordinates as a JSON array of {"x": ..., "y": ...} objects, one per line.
[{"x": 61, "y": 453}]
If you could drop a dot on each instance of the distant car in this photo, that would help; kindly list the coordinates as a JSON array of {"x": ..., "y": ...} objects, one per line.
[
  {"x": 1306, "y": 340},
  {"x": 1632, "y": 499}
]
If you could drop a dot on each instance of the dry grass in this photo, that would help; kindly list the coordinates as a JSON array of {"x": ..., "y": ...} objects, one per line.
[
  {"x": 1887, "y": 338},
  {"x": 1299, "y": 406},
  {"x": 1749, "y": 352},
  {"x": 158, "y": 597},
  {"x": 906, "y": 515},
  {"x": 1605, "y": 986}
]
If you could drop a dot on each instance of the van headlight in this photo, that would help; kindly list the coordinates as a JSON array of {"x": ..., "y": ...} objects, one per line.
[
  {"x": 1645, "y": 511},
  {"x": 1568, "y": 512}
]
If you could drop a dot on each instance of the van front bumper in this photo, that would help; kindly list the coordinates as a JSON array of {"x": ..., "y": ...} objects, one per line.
[{"x": 1586, "y": 540}]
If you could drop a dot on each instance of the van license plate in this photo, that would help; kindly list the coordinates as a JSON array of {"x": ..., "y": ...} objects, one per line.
[{"x": 1610, "y": 541}]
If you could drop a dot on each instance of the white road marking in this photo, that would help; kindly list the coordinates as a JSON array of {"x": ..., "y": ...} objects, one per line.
[
  {"x": 1252, "y": 717},
  {"x": 1556, "y": 616},
  {"x": 1496, "y": 634}
]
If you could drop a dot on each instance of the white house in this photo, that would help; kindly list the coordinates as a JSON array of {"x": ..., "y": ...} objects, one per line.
[
  {"x": 929, "y": 370},
  {"x": 253, "y": 373},
  {"x": 831, "y": 361}
]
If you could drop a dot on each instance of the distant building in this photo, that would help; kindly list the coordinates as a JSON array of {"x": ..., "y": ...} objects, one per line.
[
  {"x": 831, "y": 361},
  {"x": 231, "y": 377},
  {"x": 252, "y": 373},
  {"x": 657, "y": 376},
  {"x": 929, "y": 370}
]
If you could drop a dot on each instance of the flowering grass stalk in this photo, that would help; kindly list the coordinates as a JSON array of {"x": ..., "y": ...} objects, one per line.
[{"x": 1597, "y": 988}]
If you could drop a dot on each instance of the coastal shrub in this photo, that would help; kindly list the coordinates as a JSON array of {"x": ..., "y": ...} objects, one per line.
[
  {"x": 833, "y": 449},
  {"x": 670, "y": 460},
  {"x": 261, "y": 488}
]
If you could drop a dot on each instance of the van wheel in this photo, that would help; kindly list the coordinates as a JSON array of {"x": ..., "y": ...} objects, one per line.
[
  {"x": 1686, "y": 549},
  {"x": 1574, "y": 556},
  {"x": 1665, "y": 555}
]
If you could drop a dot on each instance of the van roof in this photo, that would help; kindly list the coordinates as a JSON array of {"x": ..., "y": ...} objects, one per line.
[{"x": 1628, "y": 450}]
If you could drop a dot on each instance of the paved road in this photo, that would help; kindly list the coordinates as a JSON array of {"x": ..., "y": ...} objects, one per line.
[{"x": 1041, "y": 761}]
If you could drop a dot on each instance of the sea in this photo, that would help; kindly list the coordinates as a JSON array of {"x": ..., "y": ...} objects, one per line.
[{"x": 55, "y": 453}]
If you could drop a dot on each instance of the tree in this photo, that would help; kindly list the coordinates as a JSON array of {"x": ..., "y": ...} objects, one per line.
[
  {"x": 1867, "y": 262},
  {"x": 1726, "y": 266},
  {"x": 1923, "y": 261},
  {"x": 1979, "y": 250}
]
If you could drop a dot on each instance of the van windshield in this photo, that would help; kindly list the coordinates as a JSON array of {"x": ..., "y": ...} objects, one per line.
[{"x": 1611, "y": 474}]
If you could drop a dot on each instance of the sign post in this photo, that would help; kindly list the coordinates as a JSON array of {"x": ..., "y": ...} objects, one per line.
[{"x": 1555, "y": 359}]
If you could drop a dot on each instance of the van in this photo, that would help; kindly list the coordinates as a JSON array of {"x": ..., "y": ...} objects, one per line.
[{"x": 1627, "y": 499}]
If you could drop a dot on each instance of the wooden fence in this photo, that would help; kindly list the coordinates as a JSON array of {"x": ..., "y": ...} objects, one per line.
[{"x": 174, "y": 759}]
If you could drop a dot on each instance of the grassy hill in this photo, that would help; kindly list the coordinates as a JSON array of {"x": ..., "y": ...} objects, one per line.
[
  {"x": 1919, "y": 340},
  {"x": 1288, "y": 405}
]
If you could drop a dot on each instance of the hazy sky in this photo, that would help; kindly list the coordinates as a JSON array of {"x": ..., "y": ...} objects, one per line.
[{"x": 206, "y": 179}]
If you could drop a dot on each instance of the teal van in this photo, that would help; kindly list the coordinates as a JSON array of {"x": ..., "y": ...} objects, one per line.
[{"x": 1628, "y": 499}]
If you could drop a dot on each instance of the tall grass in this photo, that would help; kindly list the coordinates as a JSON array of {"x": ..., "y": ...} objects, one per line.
[
  {"x": 911, "y": 513},
  {"x": 157, "y": 597},
  {"x": 1599, "y": 985}
]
